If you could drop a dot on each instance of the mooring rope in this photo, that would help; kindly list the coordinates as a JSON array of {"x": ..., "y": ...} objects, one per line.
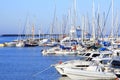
[{"x": 41, "y": 71}]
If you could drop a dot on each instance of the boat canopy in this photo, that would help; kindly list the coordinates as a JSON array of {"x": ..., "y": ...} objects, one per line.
[
  {"x": 106, "y": 43},
  {"x": 103, "y": 49}
]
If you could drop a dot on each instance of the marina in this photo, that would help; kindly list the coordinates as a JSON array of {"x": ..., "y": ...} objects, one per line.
[
  {"x": 28, "y": 64},
  {"x": 81, "y": 45}
]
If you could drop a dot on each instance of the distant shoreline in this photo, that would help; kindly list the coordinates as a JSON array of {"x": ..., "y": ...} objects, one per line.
[
  {"x": 15, "y": 35},
  {"x": 36, "y": 35}
]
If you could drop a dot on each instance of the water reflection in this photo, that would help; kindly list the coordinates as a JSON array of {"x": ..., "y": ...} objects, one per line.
[{"x": 64, "y": 78}]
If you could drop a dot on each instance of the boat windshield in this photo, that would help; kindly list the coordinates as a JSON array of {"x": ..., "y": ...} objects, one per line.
[
  {"x": 82, "y": 54},
  {"x": 88, "y": 54},
  {"x": 95, "y": 55},
  {"x": 105, "y": 62},
  {"x": 115, "y": 64},
  {"x": 83, "y": 58},
  {"x": 106, "y": 55}
]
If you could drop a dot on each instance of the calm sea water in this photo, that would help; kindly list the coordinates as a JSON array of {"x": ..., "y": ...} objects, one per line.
[{"x": 28, "y": 63}]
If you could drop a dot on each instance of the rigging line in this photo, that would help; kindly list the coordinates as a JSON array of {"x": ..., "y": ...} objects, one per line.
[
  {"x": 107, "y": 14},
  {"x": 118, "y": 29},
  {"x": 106, "y": 18},
  {"x": 41, "y": 71}
]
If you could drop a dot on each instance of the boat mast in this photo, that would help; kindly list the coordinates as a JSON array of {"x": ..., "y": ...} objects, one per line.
[
  {"x": 83, "y": 24},
  {"x": 33, "y": 32},
  {"x": 74, "y": 13},
  {"x": 112, "y": 25},
  {"x": 98, "y": 24},
  {"x": 54, "y": 20},
  {"x": 19, "y": 35},
  {"x": 69, "y": 19},
  {"x": 93, "y": 22},
  {"x": 73, "y": 26},
  {"x": 117, "y": 26},
  {"x": 39, "y": 33}
]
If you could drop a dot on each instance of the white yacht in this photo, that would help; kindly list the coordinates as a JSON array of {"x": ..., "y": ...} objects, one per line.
[
  {"x": 60, "y": 51},
  {"x": 87, "y": 57},
  {"x": 20, "y": 43},
  {"x": 50, "y": 51},
  {"x": 113, "y": 63},
  {"x": 93, "y": 71},
  {"x": 10, "y": 44},
  {"x": 77, "y": 63}
]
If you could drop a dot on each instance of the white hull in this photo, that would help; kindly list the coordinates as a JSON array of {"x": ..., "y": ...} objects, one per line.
[
  {"x": 76, "y": 74},
  {"x": 64, "y": 52},
  {"x": 47, "y": 52},
  {"x": 73, "y": 63},
  {"x": 20, "y": 44},
  {"x": 50, "y": 51},
  {"x": 57, "y": 51},
  {"x": 10, "y": 44},
  {"x": 61, "y": 71}
]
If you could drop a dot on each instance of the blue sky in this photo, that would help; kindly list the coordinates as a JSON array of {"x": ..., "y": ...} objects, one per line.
[{"x": 13, "y": 13}]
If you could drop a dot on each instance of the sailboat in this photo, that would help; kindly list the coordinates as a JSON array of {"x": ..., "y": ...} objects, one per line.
[
  {"x": 20, "y": 43},
  {"x": 31, "y": 42},
  {"x": 10, "y": 44}
]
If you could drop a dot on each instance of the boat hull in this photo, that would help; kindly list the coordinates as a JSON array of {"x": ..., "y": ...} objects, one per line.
[
  {"x": 73, "y": 63},
  {"x": 82, "y": 74},
  {"x": 30, "y": 45},
  {"x": 10, "y": 44},
  {"x": 20, "y": 44}
]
